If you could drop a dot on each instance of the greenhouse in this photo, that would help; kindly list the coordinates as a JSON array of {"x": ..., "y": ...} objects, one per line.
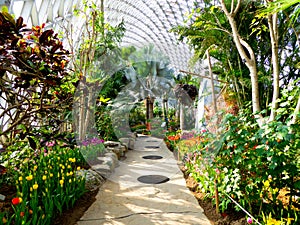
[{"x": 149, "y": 112}]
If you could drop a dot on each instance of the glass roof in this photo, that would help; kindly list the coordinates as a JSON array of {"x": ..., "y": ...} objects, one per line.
[{"x": 147, "y": 22}]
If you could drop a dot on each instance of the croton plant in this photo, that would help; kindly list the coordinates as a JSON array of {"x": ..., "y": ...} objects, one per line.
[{"x": 34, "y": 80}]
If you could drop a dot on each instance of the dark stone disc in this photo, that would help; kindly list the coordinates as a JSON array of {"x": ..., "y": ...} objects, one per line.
[
  {"x": 151, "y": 146},
  {"x": 152, "y": 157},
  {"x": 153, "y": 179}
]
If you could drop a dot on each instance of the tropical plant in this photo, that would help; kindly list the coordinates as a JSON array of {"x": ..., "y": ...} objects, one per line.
[
  {"x": 148, "y": 77},
  {"x": 34, "y": 80},
  {"x": 238, "y": 22},
  {"x": 92, "y": 62}
]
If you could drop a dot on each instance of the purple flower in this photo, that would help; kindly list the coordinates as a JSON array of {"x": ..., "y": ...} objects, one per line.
[
  {"x": 85, "y": 143},
  {"x": 92, "y": 141}
]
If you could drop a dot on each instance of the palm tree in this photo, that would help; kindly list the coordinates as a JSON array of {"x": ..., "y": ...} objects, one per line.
[{"x": 150, "y": 77}]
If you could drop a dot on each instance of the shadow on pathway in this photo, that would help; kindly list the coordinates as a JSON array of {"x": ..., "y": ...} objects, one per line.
[{"x": 123, "y": 200}]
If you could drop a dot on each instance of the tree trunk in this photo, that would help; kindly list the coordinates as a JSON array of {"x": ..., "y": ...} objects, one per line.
[
  {"x": 212, "y": 82},
  {"x": 90, "y": 111},
  {"x": 250, "y": 60},
  {"x": 272, "y": 22},
  {"x": 181, "y": 117},
  {"x": 296, "y": 117},
  {"x": 81, "y": 116},
  {"x": 151, "y": 103}
]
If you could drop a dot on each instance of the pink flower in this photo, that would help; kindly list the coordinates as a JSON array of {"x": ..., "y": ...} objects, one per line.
[
  {"x": 50, "y": 143},
  {"x": 249, "y": 220},
  {"x": 217, "y": 171}
]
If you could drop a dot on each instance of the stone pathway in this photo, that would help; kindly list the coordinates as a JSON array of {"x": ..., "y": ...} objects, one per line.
[{"x": 123, "y": 200}]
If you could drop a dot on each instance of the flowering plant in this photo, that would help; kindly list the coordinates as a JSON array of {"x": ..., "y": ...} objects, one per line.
[
  {"x": 256, "y": 166},
  {"x": 92, "y": 148},
  {"x": 46, "y": 183}
]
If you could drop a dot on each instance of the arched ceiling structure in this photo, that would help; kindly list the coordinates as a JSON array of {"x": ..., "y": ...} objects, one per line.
[{"x": 147, "y": 22}]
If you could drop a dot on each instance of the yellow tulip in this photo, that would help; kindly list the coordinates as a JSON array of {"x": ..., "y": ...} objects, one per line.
[{"x": 30, "y": 177}]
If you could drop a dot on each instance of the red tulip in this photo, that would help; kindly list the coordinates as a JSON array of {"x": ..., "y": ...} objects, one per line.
[{"x": 15, "y": 201}]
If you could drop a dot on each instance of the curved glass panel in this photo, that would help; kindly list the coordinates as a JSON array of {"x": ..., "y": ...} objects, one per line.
[{"x": 147, "y": 22}]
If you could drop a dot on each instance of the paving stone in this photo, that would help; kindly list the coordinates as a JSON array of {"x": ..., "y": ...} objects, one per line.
[{"x": 103, "y": 169}]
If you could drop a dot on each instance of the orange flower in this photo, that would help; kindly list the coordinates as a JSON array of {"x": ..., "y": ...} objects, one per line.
[{"x": 173, "y": 138}]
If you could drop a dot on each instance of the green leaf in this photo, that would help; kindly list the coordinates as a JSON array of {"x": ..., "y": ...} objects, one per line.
[
  {"x": 9, "y": 18},
  {"x": 32, "y": 143},
  {"x": 297, "y": 185}
]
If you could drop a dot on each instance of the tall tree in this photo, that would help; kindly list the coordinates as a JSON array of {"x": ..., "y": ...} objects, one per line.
[
  {"x": 245, "y": 51},
  {"x": 264, "y": 45},
  {"x": 93, "y": 60}
]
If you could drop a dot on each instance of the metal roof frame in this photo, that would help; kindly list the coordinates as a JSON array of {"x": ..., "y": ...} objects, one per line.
[{"x": 146, "y": 22}]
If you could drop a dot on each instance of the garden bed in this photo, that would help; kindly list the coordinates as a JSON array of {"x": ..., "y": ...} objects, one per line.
[
  {"x": 68, "y": 217},
  {"x": 240, "y": 175},
  {"x": 230, "y": 217}
]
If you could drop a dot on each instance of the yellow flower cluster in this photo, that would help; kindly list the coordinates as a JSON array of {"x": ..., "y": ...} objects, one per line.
[
  {"x": 271, "y": 221},
  {"x": 72, "y": 160},
  {"x": 70, "y": 174},
  {"x": 62, "y": 166}
]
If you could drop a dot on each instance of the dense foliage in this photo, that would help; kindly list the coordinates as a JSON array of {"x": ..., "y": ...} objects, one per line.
[
  {"x": 39, "y": 158},
  {"x": 34, "y": 80}
]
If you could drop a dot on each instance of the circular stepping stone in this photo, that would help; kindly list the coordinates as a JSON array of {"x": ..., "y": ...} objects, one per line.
[
  {"x": 154, "y": 157},
  {"x": 153, "y": 179},
  {"x": 151, "y": 146}
]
